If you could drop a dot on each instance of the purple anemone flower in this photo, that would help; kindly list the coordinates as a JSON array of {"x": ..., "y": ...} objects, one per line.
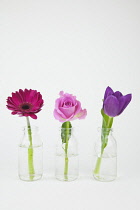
[{"x": 114, "y": 103}]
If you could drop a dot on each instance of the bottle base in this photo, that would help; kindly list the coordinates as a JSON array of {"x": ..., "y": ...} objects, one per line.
[
  {"x": 104, "y": 178},
  {"x": 30, "y": 178},
  {"x": 66, "y": 179}
]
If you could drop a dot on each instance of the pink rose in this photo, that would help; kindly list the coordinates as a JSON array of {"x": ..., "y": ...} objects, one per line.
[{"x": 67, "y": 108}]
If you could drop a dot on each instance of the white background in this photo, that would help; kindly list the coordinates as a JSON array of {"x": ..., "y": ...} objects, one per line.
[{"x": 80, "y": 47}]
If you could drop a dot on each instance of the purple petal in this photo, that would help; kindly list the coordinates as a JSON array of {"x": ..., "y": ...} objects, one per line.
[
  {"x": 111, "y": 106},
  {"x": 117, "y": 94},
  {"x": 108, "y": 92},
  {"x": 124, "y": 101}
]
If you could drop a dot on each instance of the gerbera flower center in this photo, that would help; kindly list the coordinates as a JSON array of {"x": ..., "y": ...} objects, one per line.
[{"x": 25, "y": 106}]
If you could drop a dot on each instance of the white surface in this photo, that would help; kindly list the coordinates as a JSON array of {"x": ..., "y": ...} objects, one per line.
[
  {"x": 79, "y": 47},
  {"x": 83, "y": 194}
]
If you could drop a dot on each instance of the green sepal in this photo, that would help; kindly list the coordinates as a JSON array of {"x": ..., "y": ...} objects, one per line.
[{"x": 66, "y": 131}]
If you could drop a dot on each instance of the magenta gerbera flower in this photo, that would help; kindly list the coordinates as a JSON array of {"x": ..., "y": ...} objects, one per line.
[{"x": 25, "y": 103}]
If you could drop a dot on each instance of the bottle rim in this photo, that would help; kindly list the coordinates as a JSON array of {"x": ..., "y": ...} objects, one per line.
[{"x": 33, "y": 127}]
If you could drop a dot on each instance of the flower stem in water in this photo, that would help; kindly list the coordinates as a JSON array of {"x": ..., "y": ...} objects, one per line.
[
  {"x": 30, "y": 152},
  {"x": 66, "y": 152}
]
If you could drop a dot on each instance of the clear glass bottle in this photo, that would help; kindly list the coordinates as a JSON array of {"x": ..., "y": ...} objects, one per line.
[
  {"x": 67, "y": 163},
  {"x": 30, "y": 160},
  {"x": 105, "y": 160}
]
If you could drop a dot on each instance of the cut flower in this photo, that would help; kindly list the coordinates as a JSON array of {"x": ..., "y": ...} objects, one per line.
[
  {"x": 25, "y": 103},
  {"x": 114, "y": 103},
  {"x": 68, "y": 108}
]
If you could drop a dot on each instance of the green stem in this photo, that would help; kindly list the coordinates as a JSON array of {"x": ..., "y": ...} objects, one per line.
[
  {"x": 66, "y": 152},
  {"x": 106, "y": 126},
  {"x": 98, "y": 164},
  {"x": 30, "y": 152}
]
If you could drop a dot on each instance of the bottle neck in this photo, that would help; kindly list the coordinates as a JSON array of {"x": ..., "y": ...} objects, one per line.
[
  {"x": 105, "y": 131},
  {"x": 31, "y": 136}
]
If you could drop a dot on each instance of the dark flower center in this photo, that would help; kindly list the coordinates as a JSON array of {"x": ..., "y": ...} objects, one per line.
[{"x": 25, "y": 106}]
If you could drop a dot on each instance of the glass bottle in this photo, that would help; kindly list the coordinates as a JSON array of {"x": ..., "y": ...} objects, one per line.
[
  {"x": 30, "y": 160},
  {"x": 67, "y": 164},
  {"x": 105, "y": 157}
]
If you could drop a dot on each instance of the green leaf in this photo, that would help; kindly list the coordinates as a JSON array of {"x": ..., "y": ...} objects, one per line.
[
  {"x": 66, "y": 131},
  {"x": 106, "y": 126},
  {"x": 107, "y": 120}
]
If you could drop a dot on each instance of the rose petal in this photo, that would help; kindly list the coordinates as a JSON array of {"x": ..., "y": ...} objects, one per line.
[
  {"x": 77, "y": 107},
  {"x": 82, "y": 114},
  {"x": 65, "y": 99},
  {"x": 57, "y": 103},
  {"x": 61, "y": 93},
  {"x": 67, "y": 111},
  {"x": 58, "y": 116}
]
